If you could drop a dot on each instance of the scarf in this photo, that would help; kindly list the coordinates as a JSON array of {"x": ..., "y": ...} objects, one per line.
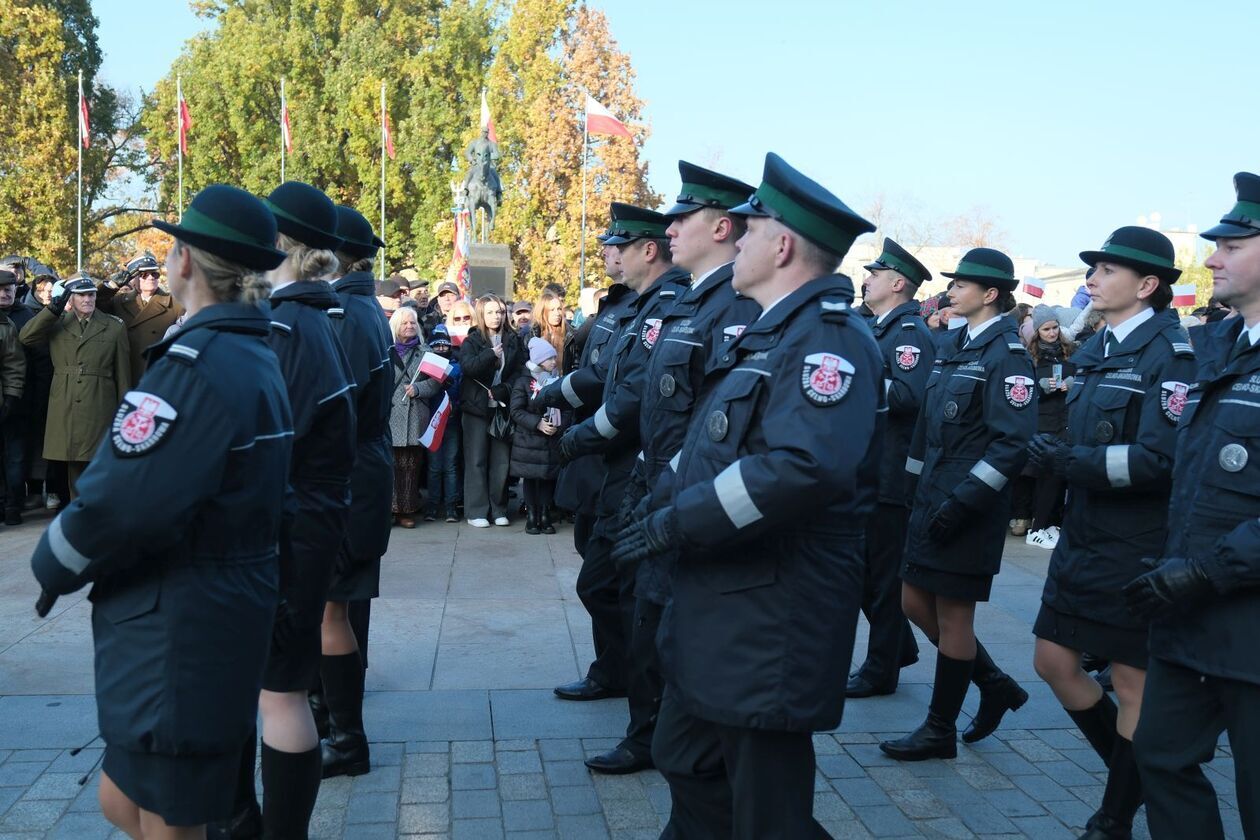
[{"x": 404, "y": 347}]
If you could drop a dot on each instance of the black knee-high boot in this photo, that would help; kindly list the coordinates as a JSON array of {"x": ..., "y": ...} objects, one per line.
[
  {"x": 319, "y": 710},
  {"x": 1098, "y": 725},
  {"x": 345, "y": 750},
  {"x": 290, "y": 787},
  {"x": 1121, "y": 797},
  {"x": 938, "y": 736},
  {"x": 999, "y": 694},
  {"x": 246, "y": 822}
]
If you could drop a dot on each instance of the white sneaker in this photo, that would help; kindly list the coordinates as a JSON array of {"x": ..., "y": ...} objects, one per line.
[
  {"x": 479, "y": 523},
  {"x": 501, "y": 521},
  {"x": 52, "y": 502},
  {"x": 1043, "y": 539}
]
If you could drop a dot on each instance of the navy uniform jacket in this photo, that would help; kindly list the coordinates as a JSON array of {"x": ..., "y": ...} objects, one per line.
[
  {"x": 776, "y": 480},
  {"x": 184, "y": 590},
  {"x": 1212, "y": 515},
  {"x": 366, "y": 340},
  {"x": 970, "y": 441},
  {"x": 908, "y": 353},
  {"x": 1122, "y": 425},
  {"x": 321, "y": 394}
]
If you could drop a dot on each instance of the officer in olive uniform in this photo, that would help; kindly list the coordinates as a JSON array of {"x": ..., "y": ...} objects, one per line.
[
  {"x": 775, "y": 480},
  {"x": 1204, "y": 592},
  {"x": 1126, "y": 397},
  {"x": 145, "y": 309},
  {"x": 906, "y": 345},
  {"x": 91, "y": 372},
  {"x": 971, "y": 439},
  {"x": 184, "y": 591}
]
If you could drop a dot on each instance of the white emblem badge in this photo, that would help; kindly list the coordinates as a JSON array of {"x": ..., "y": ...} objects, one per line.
[
  {"x": 825, "y": 378},
  {"x": 1172, "y": 399},
  {"x": 1019, "y": 390},
  {"x": 651, "y": 331},
  {"x": 141, "y": 422},
  {"x": 907, "y": 357}
]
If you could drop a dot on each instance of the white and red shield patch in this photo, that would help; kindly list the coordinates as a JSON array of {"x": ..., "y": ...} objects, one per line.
[
  {"x": 907, "y": 357},
  {"x": 825, "y": 378},
  {"x": 1172, "y": 399},
  {"x": 1019, "y": 391},
  {"x": 732, "y": 332},
  {"x": 651, "y": 332},
  {"x": 141, "y": 422}
]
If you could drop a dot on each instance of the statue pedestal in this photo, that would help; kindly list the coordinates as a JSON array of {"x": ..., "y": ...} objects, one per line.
[{"x": 490, "y": 270}]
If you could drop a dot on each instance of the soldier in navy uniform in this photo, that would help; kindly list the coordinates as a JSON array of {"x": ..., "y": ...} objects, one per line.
[
  {"x": 774, "y": 483},
  {"x": 971, "y": 439},
  {"x": 317, "y": 378},
  {"x": 184, "y": 592},
  {"x": 707, "y": 316},
  {"x": 1203, "y": 593},
  {"x": 1124, "y": 403},
  {"x": 366, "y": 339},
  {"x": 906, "y": 345},
  {"x": 577, "y": 489}
]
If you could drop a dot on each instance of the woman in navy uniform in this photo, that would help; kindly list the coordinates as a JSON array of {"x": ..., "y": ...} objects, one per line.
[
  {"x": 317, "y": 378},
  {"x": 184, "y": 593},
  {"x": 971, "y": 439},
  {"x": 1130, "y": 388}
]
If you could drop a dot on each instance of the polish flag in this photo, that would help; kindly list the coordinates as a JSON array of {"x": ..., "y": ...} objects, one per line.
[
  {"x": 285, "y": 131},
  {"x": 599, "y": 120},
  {"x": 486, "y": 122},
  {"x": 85, "y": 127},
  {"x": 1034, "y": 286},
  {"x": 389, "y": 139},
  {"x": 432, "y": 437},
  {"x": 1183, "y": 295},
  {"x": 434, "y": 366},
  {"x": 185, "y": 124}
]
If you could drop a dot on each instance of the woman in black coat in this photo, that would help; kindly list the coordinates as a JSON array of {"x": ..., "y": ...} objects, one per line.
[
  {"x": 1050, "y": 351},
  {"x": 491, "y": 358},
  {"x": 536, "y": 441}
]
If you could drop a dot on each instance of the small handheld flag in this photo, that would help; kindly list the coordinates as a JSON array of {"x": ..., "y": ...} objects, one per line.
[
  {"x": 431, "y": 439},
  {"x": 1183, "y": 294},
  {"x": 1034, "y": 286},
  {"x": 434, "y": 366}
]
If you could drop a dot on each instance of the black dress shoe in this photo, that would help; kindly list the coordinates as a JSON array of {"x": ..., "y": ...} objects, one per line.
[
  {"x": 1103, "y": 827},
  {"x": 859, "y": 686},
  {"x": 586, "y": 689},
  {"x": 618, "y": 761}
]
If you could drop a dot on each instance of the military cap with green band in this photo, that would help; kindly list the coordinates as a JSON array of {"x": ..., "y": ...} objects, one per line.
[
  {"x": 1243, "y": 219},
  {"x": 898, "y": 259},
  {"x": 305, "y": 214},
  {"x": 355, "y": 232},
  {"x": 705, "y": 188},
  {"x": 804, "y": 206},
  {"x": 1142, "y": 249},
  {"x": 630, "y": 223},
  {"x": 229, "y": 223},
  {"x": 986, "y": 266}
]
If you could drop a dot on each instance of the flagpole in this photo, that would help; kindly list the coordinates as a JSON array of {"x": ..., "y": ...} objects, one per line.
[
  {"x": 582, "y": 259},
  {"x": 283, "y": 107},
  {"x": 79, "y": 240},
  {"x": 382, "y": 179},
  {"x": 179, "y": 139}
]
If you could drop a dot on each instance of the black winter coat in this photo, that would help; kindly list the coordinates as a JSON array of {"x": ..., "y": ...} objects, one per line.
[
  {"x": 534, "y": 455},
  {"x": 478, "y": 362},
  {"x": 1052, "y": 410}
]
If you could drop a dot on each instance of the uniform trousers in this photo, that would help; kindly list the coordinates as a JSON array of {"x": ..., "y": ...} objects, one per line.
[
  {"x": 733, "y": 783},
  {"x": 597, "y": 588},
  {"x": 891, "y": 640},
  {"x": 1183, "y": 716},
  {"x": 645, "y": 683}
]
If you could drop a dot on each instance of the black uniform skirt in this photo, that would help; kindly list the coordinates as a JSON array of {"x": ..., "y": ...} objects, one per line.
[
  {"x": 358, "y": 583},
  {"x": 1115, "y": 644},
  {"x": 948, "y": 584},
  {"x": 183, "y": 790}
]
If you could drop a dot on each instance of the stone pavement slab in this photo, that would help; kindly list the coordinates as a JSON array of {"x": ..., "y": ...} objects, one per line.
[{"x": 475, "y": 629}]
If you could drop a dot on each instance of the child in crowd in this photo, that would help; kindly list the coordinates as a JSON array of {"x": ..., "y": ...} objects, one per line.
[
  {"x": 536, "y": 441},
  {"x": 444, "y": 481}
]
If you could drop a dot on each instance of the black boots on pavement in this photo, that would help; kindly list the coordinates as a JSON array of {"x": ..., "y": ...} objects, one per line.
[
  {"x": 938, "y": 736},
  {"x": 345, "y": 750}
]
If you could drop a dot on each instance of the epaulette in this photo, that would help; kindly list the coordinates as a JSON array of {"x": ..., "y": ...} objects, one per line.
[
  {"x": 115, "y": 317},
  {"x": 1017, "y": 348},
  {"x": 336, "y": 312},
  {"x": 1178, "y": 339},
  {"x": 188, "y": 348},
  {"x": 909, "y": 325},
  {"x": 835, "y": 311},
  {"x": 668, "y": 293},
  {"x": 280, "y": 326},
  {"x": 1181, "y": 348}
]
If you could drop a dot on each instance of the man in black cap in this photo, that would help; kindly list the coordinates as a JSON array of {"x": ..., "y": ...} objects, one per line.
[
  {"x": 908, "y": 351},
  {"x": 12, "y": 424},
  {"x": 1203, "y": 596},
  {"x": 17, "y": 266},
  {"x": 389, "y": 294},
  {"x": 766, "y": 504},
  {"x": 447, "y": 294}
]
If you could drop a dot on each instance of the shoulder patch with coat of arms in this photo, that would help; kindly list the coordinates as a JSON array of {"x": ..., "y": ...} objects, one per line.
[
  {"x": 907, "y": 356},
  {"x": 825, "y": 378},
  {"x": 1172, "y": 399},
  {"x": 141, "y": 422},
  {"x": 1019, "y": 391},
  {"x": 651, "y": 331},
  {"x": 732, "y": 331}
]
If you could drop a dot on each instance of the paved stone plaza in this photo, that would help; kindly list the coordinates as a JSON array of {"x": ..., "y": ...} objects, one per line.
[{"x": 475, "y": 628}]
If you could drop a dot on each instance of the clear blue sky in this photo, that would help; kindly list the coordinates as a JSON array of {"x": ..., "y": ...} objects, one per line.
[{"x": 1063, "y": 120}]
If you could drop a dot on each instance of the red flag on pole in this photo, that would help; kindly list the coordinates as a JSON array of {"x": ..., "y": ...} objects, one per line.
[
  {"x": 599, "y": 120},
  {"x": 486, "y": 121},
  {"x": 389, "y": 138},
  {"x": 284, "y": 124},
  {"x": 185, "y": 123},
  {"x": 85, "y": 127}
]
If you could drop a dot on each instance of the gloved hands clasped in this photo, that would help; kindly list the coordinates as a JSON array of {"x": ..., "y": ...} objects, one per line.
[
  {"x": 1047, "y": 452},
  {"x": 652, "y": 535}
]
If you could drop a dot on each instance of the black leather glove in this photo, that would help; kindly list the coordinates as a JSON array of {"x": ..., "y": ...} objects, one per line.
[
  {"x": 568, "y": 445},
  {"x": 45, "y": 603},
  {"x": 1176, "y": 584},
  {"x": 1047, "y": 452},
  {"x": 947, "y": 520},
  {"x": 549, "y": 396},
  {"x": 656, "y": 534},
  {"x": 57, "y": 304},
  {"x": 636, "y": 491},
  {"x": 120, "y": 279}
]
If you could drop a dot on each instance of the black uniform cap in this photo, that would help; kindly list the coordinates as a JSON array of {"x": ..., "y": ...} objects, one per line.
[
  {"x": 229, "y": 223},
  {"x": 79, "y": 285},
  {"x": 7, "y": 278},
  {"x": 1244, "y": 218},
  {"x": 898, "y": 259},
  {"x": 305, "y": 214},
  {"x": 1142, "y": 249},
  {"x": 144, "y": 262},
  {"x": 804, "y": 206},
  {"x": 630, "y": 223},
  {"x": 987, "y": 266},
  {"x": 704, "y": 188},
  {"x": 355, "y": 233}
]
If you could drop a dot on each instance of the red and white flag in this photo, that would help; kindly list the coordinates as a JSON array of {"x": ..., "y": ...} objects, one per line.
[
  {"x": 85, "y": 126},
  {"x": 185, "y": 124},
  {"x": 389, "y": 138},
  {"x": 599, "y": 120},
  {"x": 434, "y": 366},
  {"x": 1183, "y": 294},
  {"x": 1034, "y": 286},
  {"x": 486, "y": 121},
  {"x": 432, "y": 437},
  {"x": 285, "y": 131}
]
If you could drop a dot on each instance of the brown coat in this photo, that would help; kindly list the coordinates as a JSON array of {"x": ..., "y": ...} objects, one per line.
[
  {"x": 146, "y": 324},
  {"x": 91, "y": 372}
]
